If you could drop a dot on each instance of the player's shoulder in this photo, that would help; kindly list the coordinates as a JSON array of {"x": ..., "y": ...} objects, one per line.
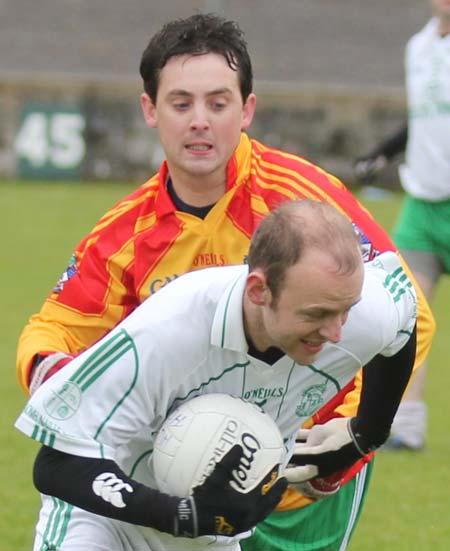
[
  {"x": 182, "y": 312},
  {"x": 296, "y": 174},
  {"x": 422, "y": 38},
  {"x": 387, "y": 266},
  {"x": 118, "y": 223},
  {"x": 142, "y": 197},
  {"x": 387, "y": 307},
  {"x": 191, "y": 291},
  {"x": 387, "y": 282}
]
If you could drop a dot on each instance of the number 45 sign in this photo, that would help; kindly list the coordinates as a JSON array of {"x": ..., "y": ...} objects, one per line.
[{"x": 50, "y": 142}]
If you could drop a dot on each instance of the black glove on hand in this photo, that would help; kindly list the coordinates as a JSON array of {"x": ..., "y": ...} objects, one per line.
[
  {"x": 328, "y": 448},
  {"x": 216, "y": 508}
]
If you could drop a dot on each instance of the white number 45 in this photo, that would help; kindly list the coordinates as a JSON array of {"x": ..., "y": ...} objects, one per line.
[{"x": 56, "y": 139}]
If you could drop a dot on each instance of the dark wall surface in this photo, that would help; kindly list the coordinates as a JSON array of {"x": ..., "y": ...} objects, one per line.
[{"x": 351, "y": 42}]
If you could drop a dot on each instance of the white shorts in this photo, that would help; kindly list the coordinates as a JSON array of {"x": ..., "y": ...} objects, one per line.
[{"x": 62, "y": 527}]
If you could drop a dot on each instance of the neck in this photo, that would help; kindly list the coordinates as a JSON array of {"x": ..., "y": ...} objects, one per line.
[
  {"x": 444, "y": 26},
  {"x": 253, "y": 326},
  {"x": 200, "y": 191}
]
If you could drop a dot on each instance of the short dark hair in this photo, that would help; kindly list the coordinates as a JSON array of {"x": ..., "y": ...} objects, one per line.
[
  {"x": 197, "y": 35},
  {"x": 287, "y": 232}
]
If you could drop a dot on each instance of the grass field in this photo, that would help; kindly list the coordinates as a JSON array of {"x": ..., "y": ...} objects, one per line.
[{"x": 408, "y": 508}]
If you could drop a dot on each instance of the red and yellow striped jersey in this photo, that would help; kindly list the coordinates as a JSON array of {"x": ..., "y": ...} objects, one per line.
[{"x": 143, "y": 243}]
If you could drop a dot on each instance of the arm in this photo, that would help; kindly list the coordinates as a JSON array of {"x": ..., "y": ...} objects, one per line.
[
  {"x": 339, "y": 443},
  {"x": 90, "y": 298},
  {"x": 101, "y": 487},
  {"x": 370, "y": 163}
]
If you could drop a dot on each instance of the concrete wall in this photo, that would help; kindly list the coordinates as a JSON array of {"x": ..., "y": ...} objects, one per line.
[
  {"x": 330, "y": 126},
  {"x": 328, "y": 75}
]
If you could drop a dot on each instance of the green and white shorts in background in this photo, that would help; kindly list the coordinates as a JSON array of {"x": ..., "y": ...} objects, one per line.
[
  {"x": 325, "y": 525},
  {"x": 424, "y": 227}
]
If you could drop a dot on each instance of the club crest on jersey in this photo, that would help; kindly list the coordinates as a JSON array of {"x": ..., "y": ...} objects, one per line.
[
  {"x": 367, "y": 249},
  {"x": 70, "y": 271},
  {"x": 312, "y": 399},
  {"x": 64, "y": 402}
]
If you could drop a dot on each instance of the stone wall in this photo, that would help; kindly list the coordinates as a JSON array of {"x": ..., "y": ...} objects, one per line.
[
  {"x": 329, "y": 78},
  {"x": 98, "y": 126}
]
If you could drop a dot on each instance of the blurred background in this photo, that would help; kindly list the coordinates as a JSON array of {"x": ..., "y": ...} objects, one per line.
[{"x": 328, "y": 74}]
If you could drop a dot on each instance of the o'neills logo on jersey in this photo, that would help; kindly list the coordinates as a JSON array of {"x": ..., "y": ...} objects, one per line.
[
  {"x": 209, "y": 259},
  {"x": 250, "y": 445},
  {"x": 260, "y": 395}
]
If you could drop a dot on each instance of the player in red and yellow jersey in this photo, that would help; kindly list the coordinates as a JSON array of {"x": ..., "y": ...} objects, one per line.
[{"x": 200, "y": 210}]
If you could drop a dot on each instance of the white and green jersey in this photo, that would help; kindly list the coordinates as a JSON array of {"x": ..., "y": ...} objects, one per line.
[
  {"x": 188, "y": 339},
  {"x": 426, "y": 173}
]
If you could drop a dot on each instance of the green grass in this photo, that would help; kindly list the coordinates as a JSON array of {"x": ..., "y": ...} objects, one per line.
[{"x": 407, "y": 507}]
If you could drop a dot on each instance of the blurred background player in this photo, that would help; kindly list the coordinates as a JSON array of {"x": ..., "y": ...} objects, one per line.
[
  {"x": 422, "y": 232},
  {"x": 201, "y": 210}
]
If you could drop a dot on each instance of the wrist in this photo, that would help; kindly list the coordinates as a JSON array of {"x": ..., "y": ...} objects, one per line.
[
  {"x": 46, "y": 365},
  {"x": 186, "y": 519},
  {"x": 366, "y": 436}
]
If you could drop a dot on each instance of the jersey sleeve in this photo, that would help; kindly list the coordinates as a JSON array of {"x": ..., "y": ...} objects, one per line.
[
  {"x": 399, "y": 316},
  {"x": 94, "y": 293},
  {"x": 66, "y": 414}
]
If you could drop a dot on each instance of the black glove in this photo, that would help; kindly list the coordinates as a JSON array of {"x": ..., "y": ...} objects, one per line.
[
  {"x": 328, "y": 448},
  {"x": 216, "y": 508}
]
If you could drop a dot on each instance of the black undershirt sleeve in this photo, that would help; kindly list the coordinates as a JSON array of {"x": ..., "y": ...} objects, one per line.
[
  {"x": 392, "y": 146},
  {"x": 384, "y": 382},
  {"x": 71, "y": 478}
]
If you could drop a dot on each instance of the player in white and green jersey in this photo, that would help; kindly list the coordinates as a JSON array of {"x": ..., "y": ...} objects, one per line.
[{"x": 288, "y": 332}]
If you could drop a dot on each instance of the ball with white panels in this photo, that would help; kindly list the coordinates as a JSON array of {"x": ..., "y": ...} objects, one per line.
[{"x": 201, "y": 431}]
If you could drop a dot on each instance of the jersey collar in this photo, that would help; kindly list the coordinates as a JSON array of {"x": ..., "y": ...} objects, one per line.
[
  {"x": 228, "y": 324},
  {"x": 238, "y": 169}
]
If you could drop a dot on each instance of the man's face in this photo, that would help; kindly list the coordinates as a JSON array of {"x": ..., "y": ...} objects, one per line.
[
  {"x": 199, "y": 114},
  {"x": 312, "y": 307}
]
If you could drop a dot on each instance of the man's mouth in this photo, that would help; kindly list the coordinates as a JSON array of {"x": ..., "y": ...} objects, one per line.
[
  {"x": 312, "y": 346},
  {"x": 198, "y": 147}
]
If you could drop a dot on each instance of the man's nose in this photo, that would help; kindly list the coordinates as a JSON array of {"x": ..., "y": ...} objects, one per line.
[
  {"x": 200, "y": 118},
  {"x": 332, "y": 329}
]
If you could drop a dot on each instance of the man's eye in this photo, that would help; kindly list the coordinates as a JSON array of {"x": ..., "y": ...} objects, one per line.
[{"x": 314, "y": 316}]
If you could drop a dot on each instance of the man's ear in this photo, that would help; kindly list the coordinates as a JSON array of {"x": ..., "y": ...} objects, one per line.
[
  {"x": 248, "y": 111},
  {"x": 256, "y": 288},
  {"x": 149, "y": 110}
]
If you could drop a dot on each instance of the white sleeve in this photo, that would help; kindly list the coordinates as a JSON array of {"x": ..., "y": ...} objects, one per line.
[
  {"x": 396, "y": 303},
  {"x": 98, "y": 402}
]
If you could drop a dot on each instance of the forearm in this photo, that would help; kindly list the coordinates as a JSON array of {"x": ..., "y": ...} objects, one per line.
[
  {"x": 384, "y": 382},
  {"x": 215, "y": 507},
  {"x": 77, "y": 480},
  {"x": 392, "y": 146}
]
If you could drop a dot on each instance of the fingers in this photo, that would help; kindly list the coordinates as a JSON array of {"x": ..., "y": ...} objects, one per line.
[
  {"x": 270, "y": 500},
  {"x": 301, "y": 474},
  {"x": 231, "y": 459},
  {"x": 302, "y": 435},
  {"x": 303, "y": 451}
]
